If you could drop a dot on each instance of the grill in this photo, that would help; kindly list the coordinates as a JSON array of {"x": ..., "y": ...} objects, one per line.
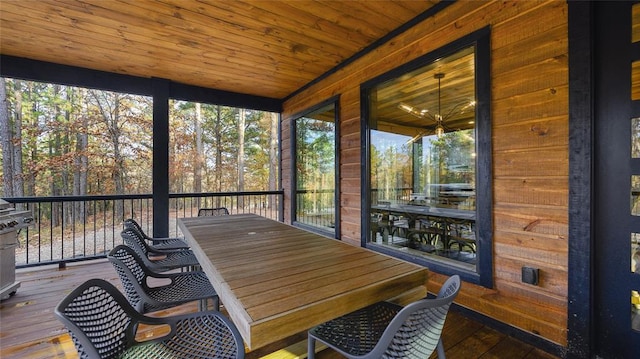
[{"x": 11, "y": 222}]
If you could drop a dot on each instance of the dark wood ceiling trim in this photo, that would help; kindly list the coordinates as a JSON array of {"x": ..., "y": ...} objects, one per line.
[
  {"x": 33, "y": 70},
  {"x": 226, "y": 98},
  {"x": 406, "y": 26}
]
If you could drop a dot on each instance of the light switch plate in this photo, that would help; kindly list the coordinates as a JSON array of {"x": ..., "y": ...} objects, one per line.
[{"x": 530, "y": 275}]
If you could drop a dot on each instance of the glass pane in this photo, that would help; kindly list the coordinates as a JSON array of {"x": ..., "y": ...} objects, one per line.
[
  {"x": 635, "y": 137},
  {"x": 635, "y": 195},
  {"x": 635, "y": 310},
  {"x": 423, "y": 161},
  {"x": 635, "y": 253},
  {"x": 315, "y": 166}
]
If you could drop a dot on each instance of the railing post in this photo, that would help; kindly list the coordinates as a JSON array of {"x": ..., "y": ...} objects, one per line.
[{"x": 281, "y": 207}]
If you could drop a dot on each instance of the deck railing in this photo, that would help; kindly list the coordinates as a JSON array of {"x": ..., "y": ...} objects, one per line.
[
  {"x": 316, "y": 208},
  {"x": 386, "y": 194},
  {"x": 75, "y": 228}
]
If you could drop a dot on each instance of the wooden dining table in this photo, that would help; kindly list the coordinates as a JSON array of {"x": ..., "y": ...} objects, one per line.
[{"x": 276, "y": 280}]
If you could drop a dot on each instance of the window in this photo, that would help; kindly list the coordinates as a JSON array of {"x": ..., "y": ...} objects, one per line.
[
  {"x": 427, "y": 130},
  {"x": 316, "y": 170}
]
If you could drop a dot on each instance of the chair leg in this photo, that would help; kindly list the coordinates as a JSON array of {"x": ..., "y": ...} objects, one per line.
[
  {"x": 440, "y": 349},
  {"x": 203, "y": 304},
  {"x": 311, "y": 347}
]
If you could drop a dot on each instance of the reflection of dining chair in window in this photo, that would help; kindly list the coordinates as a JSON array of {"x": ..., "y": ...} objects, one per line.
[
  {"x": 385, "y": 225},
  {"x": 387, "y": 330},
  {"x": 460, "y": 233},
  {"x": 375, "y": 220},
  {"x": 400, "y": 226},
  {"x": 429, "y": 230},
  {"x": 220, "y": 211}
]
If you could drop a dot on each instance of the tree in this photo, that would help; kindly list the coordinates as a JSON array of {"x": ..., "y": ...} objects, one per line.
[
  {"x": 108, "y": 105},
  {"x": 315, "y": 163},
  {"x": 241, "y": 129},
  {"x": 273, "y": 155},
  {"x": 81, "y": 158},
  {"x": 197, "y": 171},
  {"x": 454, "y": 157},
  {"x": 6, "y": 138},
  {"x": 83, "y": 141}
]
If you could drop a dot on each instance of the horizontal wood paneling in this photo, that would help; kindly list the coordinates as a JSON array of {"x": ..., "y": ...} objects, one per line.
[
  {"x": 548, "y": 191},
  {"x": 537, "y": 133},
  {"x": 529, "y": 78},
  {"x": 536, "y": 105},
  {"x": 550, "y": 161},
  {"x": 550, "y": 220}
]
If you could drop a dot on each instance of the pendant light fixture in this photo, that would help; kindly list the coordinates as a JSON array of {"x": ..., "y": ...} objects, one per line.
[{"x": 439, "y": 118}]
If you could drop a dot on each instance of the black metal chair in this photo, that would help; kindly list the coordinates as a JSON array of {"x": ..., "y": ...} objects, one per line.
[
  {"x": 156, "y": 243},
  {"x": 103, "y": 324},
  {"x": 220, "y": 211},
  {"x": 387, "y": 330},
  {"x": 183, "y": 287},
  {"x": 157, "y": 260}
]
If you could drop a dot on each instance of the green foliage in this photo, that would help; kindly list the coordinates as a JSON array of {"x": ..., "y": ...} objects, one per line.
[
  {"x": 90, "y": 142},
  {"x": 398, "y": 163},
  {"x": 315, "y": 161},
  {"x": 454, "y": 153}
]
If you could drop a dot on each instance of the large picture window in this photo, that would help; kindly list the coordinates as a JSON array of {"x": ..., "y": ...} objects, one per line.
[{"x": 428, "y": 147}]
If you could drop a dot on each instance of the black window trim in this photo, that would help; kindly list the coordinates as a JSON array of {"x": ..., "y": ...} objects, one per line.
[
  {"x": 335, "y": 101},
  {"x": 484, "y": 196}
]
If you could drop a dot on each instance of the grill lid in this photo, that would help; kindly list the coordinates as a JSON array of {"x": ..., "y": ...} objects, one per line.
[{"x": 12, "y": 220}]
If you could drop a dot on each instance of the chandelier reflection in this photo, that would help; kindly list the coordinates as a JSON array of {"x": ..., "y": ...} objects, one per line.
[{"x": 438, "y": 117}]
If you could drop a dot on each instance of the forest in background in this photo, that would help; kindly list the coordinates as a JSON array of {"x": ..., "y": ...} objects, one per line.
[{"x": 60, "y": 140}]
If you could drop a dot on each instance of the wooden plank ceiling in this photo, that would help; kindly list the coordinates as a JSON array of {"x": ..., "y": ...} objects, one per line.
[{"x": 265, "y": 48}]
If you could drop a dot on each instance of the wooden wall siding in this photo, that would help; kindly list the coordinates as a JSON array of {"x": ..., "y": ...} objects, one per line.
[{"x": 529, "y": 76}]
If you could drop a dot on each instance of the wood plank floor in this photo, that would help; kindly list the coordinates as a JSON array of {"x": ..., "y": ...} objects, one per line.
[{"x": 28, "y": 328}]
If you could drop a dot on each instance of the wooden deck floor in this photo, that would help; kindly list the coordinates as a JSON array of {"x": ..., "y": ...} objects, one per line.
[{"x": 28, "y": 328}]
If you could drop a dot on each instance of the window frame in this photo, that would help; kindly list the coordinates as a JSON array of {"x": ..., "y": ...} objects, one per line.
[
  {"x": 294, "y": 175},
  {"x": 483, "y": 275}
]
